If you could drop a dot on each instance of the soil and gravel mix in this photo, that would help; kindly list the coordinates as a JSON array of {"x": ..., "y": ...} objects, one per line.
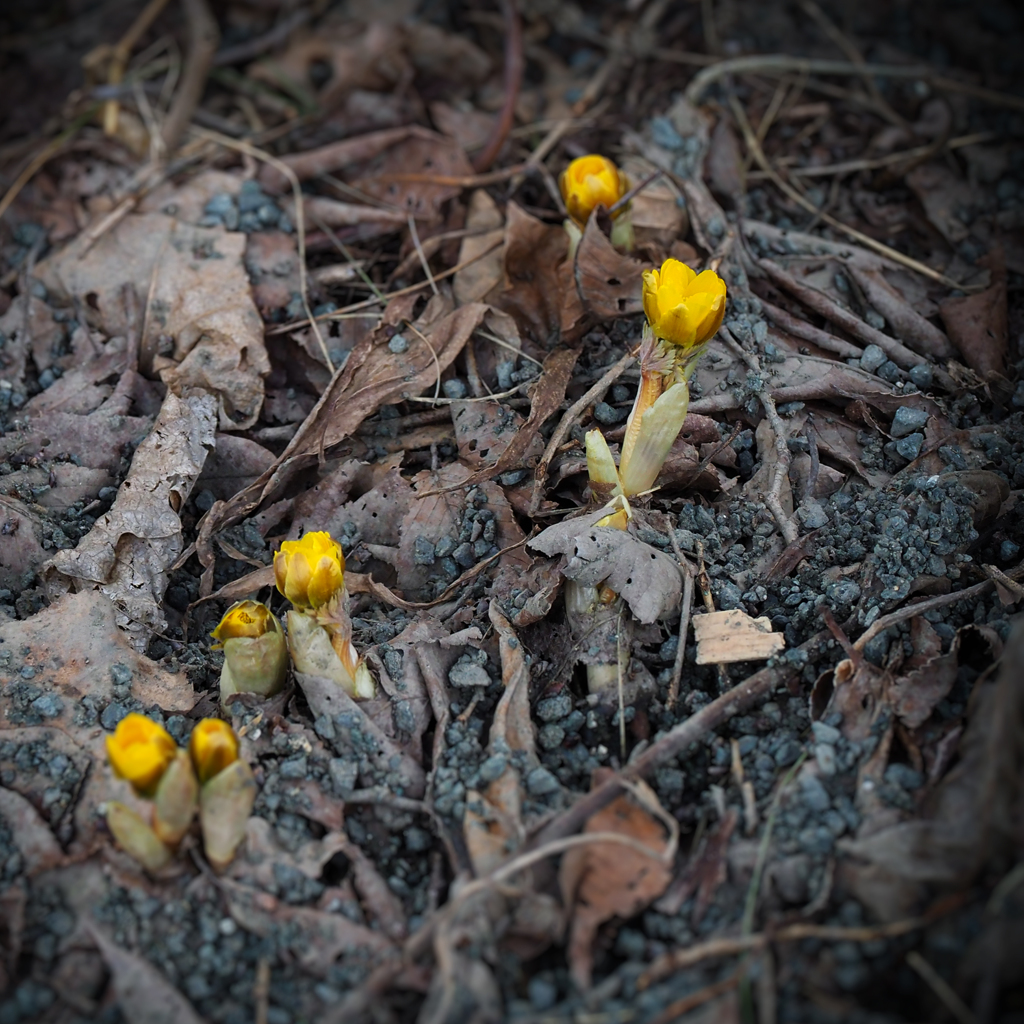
[{"x": 269, "y": 268}]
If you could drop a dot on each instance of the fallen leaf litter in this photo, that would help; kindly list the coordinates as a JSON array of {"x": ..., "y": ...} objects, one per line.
[{"x": 810, "y": 806}]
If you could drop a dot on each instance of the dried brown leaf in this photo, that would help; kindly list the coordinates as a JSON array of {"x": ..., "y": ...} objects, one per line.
[
  {"x": 144, "y": 995},
  {"x": 647, "y": 579},
  {"x": 32, "y": 838},
  {"x": 129, "y": 551},
  {"x": 602, "y": 880},
  {"x": 198, "y": 294},
  {"x": 978, "y": 324}
]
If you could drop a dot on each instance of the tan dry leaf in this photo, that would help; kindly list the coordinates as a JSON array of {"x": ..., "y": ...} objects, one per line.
[
  {"x": 73, "y": 645},
  {"x": 403, "y": 774},
  {"x": 234, "y": 464},
  {"x": 200, "y": 298},
  {"x": 600, "y": 282},
  {"x": 943, "y": 196},
  {"x": 926, "y": 677},
  {"x": 31, "y": 331},
  {"x": 730, "y": 636},
  {"x": 972, "y": 818},
  {"x": 32, "y": 838},
  {"x": 144, "y": 995},
  {"x": 659, "y": 217},
  {"x": 644, "y": 577},
  {"x": 129, "y": 551},
  {"x": 602, "y": 880},
  {"x": 478, "y": 280},
  {"x": 533, "y": 292},
  {"x": 316, "y": 938}
]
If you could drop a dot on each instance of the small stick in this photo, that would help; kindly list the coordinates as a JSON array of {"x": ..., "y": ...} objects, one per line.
[
  {"x": 595, "y": 393},
  {"x": 684, "y": 622},
  {"x": 947, "y": 995},
  {"x": 514, "y": 64},
  {"x": 204, "y": 35}
]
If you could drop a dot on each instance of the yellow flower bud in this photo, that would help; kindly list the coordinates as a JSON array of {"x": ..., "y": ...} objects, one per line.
[
  {"x": 591, "y": 181},
  {"x": 213, "y": 747},
  {"x": 244, "y": 619},
  {"x": 255, "y": 653},
  {"x": 174, "y": 805},
  {"x": 683, "y": 307},
  {"x": 140, "y": 751},
  {"x": 310, "y": 571}
]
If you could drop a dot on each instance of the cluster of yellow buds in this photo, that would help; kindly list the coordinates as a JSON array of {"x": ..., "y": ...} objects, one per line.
[
  {"x": 209, "y": 776},
  {"x": 589, "y": 182},
  {"x": 684, "y": 311},
  {"x": 309, "y": 572}
]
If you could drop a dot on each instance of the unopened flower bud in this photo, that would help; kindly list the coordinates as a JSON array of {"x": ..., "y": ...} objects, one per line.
[
  {"x": 316, "y": 652},
  {"x": 255, "y": 653},
  {"x": 310, "y": 571},
  {"x": 135, "y": 837},
  {"x": 177, "y": 796},
  {"x": 591, "y": 181},
  {"x": 225, "y": 803},
  {"x": 213, "y": 747},
  {"x": 140, "y": 751}
]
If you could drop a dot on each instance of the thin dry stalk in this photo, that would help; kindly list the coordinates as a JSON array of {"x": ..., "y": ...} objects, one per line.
[
  {"x": 203, "y": 37},
  {"x": 561, "y": 432}
]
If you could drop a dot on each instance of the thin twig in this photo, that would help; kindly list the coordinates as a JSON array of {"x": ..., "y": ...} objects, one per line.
[
  {"x": 254, "y": 47},
  {"x": 514, "y": 65},
  {"x": 300, "y": 221},
  {"x": 945, "y": 992},
  {"x": 203, "y": 37},
  {"x": 684, "y": 622},
  {"x": 569, "y": 418},
  {"x": 858, "y": 236},
  {"x": 424, "y": 262}
]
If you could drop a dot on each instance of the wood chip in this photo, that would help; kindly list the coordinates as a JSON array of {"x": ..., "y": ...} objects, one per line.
[{"x": 727, "y": 637}]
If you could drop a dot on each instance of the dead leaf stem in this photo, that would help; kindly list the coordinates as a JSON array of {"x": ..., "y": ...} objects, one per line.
[
  {"x": 203, "y": 37},
  {"x": 514, "y": 65},
  {"x": 593, "y": 394}
]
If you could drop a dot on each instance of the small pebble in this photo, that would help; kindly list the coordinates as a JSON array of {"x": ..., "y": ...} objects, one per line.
[
  {"x": 540, "y": 782},
  {"x": 889, "y": 372},
  {"x": 872, "y": 358},
  {"x": 399, "y": 344},
  {"x": 551, "y": 709},
  {"x": 910, "y": 446},
  {"x": 907, "y": 420},
  {"x": 921, "y": 375},
  {"x": 454, "y": 389}
]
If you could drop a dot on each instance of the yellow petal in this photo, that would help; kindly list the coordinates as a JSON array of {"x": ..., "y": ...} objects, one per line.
[
  {"x": 675, "y": 326},
  {"x": 324, "y": 582},
  {"x": 711, "y": 320},
  {"x": 650, "y": 295},
  {"x": 676, "y": 276}
]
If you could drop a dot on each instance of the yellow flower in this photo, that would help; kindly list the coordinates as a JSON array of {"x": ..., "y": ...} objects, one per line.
[
  {"x": 245, "y": 618},
  {"x": 213, "y": 747},
  {"x": 683, "y": 307},
  {"x": 310, "y": 571},
  {"x": 140, "y": 751},
  {"x": 591, "y": 181}
]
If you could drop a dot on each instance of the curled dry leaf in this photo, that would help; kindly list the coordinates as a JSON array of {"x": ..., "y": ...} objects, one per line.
[
  {"x": 386, "y": 762},
  {"x": 144, "y": 995},
  {"x": 927, "y": 676},
  {"x": 32, "y": 838},
  {"x": 647, "y": 579},
  {"x": 130, "y": 550},
  {"x": 606, "y": 282},
  {"x": 602, "y": 880},
  {"x": 198, "y": 295},
  {"x": 979, "y": 324},
  {"x": 477, "y": 281}
]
